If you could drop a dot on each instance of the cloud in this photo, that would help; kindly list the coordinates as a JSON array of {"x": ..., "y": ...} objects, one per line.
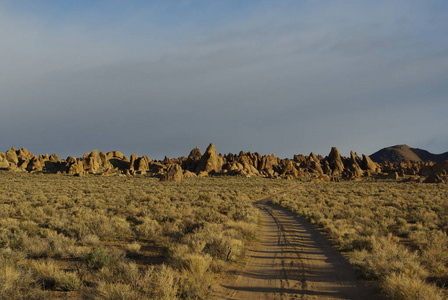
[{"x": 284, "y": 78}]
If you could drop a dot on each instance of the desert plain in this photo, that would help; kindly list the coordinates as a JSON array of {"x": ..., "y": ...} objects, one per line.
[{"x": 213, "y": 226}]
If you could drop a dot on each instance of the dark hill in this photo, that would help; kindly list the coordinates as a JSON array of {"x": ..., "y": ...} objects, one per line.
[{"x": 404, "y": 152}]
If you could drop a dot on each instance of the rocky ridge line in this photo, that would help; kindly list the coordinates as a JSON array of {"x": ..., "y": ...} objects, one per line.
[{"x": 333, "y": 167}]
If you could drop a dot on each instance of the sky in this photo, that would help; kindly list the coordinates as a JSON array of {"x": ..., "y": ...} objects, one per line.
[{"x": 159, "y": 78}]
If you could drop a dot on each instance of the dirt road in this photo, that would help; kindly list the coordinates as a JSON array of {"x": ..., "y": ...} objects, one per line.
[{"x": 292, "y": 260}]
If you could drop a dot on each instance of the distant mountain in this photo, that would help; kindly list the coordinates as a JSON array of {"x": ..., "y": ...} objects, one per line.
[{"x": 400, "y": 152}]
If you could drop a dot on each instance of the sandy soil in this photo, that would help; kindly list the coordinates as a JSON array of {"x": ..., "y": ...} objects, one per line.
[{"x": 292, "y": 260}]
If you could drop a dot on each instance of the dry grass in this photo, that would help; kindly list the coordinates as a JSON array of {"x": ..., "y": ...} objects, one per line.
[
  {"x": 395, "y": 233},
  {"x": 122, "y": 237},
  {"x": 137, "y": 238}
]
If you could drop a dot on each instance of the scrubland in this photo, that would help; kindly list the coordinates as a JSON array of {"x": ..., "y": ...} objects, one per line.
[
  {"x": 120, "y": 237},
  {"x": 393, "y": 233}
]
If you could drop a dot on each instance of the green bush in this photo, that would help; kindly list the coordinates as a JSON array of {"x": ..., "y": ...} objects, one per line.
[{"x": 98, "y": 258}]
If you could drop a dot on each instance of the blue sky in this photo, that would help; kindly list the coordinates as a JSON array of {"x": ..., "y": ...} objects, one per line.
[{"x": 161, "y": 77}]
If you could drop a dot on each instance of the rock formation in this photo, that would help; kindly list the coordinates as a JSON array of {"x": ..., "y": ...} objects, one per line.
[
  {"x": 369, "y": 165},
  {"x": 210, "y": 161},
  {"x": 4, "y": 163},
  {"x": 11, "y": 156},
  {"x": 75, "y": 167},
  {"x": 173, "y": 173},
  {"x": 335, "y": 162},
  {"x": 334, "y": 166}
]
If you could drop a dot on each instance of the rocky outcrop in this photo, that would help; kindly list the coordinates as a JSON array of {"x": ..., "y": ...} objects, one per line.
[
  {"x": 369, "y": 165},
  {"x": 92, "y": 162},
  {"x": 142, "y": 164},
  {"x": 210, "y": 161},
  {"x": 290, "y": 169},
  {"x": 353, "y": 171},
  {"x": 11, "y": 156},
  {"x": 36, "y": 164},
  {"x": 435, "y": 178},
  {"x": 173, "y": 173},
  {"x": 335, "y": 161},
  {"x": 188, "y": 174},
  {"x": 268, "y": 164},
  {"x": 312, "y": 164},
  {"x": 4, "y": 163},
  {"x": 192, "y": 161},
  {"x": 195, "y": 154},
  {"x": 246, "y": 164},
  {"x": 75, "y": 166},
  {"x": 132, "y": 162}
]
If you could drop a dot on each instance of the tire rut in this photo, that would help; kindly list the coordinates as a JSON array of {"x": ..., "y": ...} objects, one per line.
[{"x": 292, "y": 260}]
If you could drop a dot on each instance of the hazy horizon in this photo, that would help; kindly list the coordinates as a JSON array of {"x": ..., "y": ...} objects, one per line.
[{"x": 162, "y": 77}]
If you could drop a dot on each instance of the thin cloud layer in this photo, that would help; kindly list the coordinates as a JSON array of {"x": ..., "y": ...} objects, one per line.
[{"x": 282, "y": 78}]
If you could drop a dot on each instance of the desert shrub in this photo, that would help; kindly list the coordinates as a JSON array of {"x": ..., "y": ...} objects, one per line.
[
  {"x": 160, "y": 283},
  {"x": 127, "y": 272},
  {"x": 12, "y": 280},
  {"x": 388, "y": 230},
  {"x": 109, "y": 227},
  {"x": 99, "y": 258},
  {"x": 404, "y": 287},
  {"x": 50, "y": 277},
  {"x": 149, "y": 229},
  {"x": 133, "y": 249},
  {"x": 90, "y": 240},
  {"x": 388, "y": 257},
  {"x": 82, "y": 227},
  {"x": 69, "y": 281},
  {"x": 113, "y": 291},
  {"x": 17, "y": 283},
  {"x": 224, "y": 248},
  {"x": 246, "y": 229}
]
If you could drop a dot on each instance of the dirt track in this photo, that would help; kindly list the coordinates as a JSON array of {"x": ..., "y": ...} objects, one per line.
[{"x": 292, "y": 260}]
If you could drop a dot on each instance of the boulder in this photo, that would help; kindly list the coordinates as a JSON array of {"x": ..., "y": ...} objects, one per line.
[
  {"x": 369, "y": 165},
  {"x": 81, "y": 174},
  {"x": 24, "y": 154},
  {"x": 300, "y": 158},
  {"x": 289, "y": 169},
  {"x": 315, "y": 167},
  {"x": 188, "y": 174},
  {"x": 71, "y": 160},
  {"x": 54, "y": 158},
  {"x": 210, "y": 161},
  {"x": 326, "y": 168},
  {"x": 434, "y": 178},
  {"x": 11, "y": 156},
  {"x": 335, "y": 162},
  {"x": 76, "y": 167},
  {"x": 195, "y": 154},
  {"x": 36, "y": 164},
  {"x": 4, "y": 163},
  {"x": 393, "y": 175},
  {"x": 142, "y": 164},
  {"x": 355, "y": 157},
  {"x": 23, "y": 164},
  {"x": 324, "y": 178},
  {"x": 134, "y": 158},
  {"x": 440, "y": 167},
  {"x": 268, "y": 163},
  {"x": 192, "y": 161},
  {"x": 92, "y": 162},
  {"x": 314, "y": 158},
  {"x": 174, "y": 173},
  {"x": 353, "y": 170},
  {"x": 104, "y": 161},
  {"x": 118, "y": 154}
]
